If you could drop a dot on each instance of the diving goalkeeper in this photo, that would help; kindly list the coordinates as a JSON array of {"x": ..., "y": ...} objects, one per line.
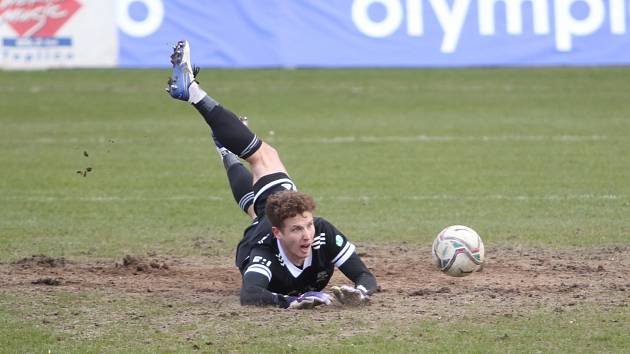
[{"x": 287, "y": 255}]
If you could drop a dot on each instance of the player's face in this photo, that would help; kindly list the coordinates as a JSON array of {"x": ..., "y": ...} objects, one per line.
[{"x": 296, "y": 236}]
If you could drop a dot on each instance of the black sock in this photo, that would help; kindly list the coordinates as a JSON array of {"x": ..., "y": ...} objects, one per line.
[
  {"x": 241, "y": 184},
  {"x": 229, "y": 159},
  {"x": 233, "y": 134}
]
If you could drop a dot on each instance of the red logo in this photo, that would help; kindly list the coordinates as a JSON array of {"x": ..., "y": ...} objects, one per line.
[{"x": 37, "y": 18}]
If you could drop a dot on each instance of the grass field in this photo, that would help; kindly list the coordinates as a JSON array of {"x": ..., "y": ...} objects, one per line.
[{"x": 531, "y": 158}]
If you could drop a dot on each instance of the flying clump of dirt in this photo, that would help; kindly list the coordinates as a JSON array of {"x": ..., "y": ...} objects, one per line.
[{"x": 84, "y": 172}]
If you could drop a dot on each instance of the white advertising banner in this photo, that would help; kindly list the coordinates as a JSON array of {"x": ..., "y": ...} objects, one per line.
[{"x": 37, "y": 34}]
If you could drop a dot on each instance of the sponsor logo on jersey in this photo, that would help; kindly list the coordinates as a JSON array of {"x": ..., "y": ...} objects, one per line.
[
  {"x": 339, "y": 240},
  {"x": 280, "y": 259},
  {"x": 263, "y": 239},
  {"x": 261, "y": 260},
  {"x": 321, "y": 276}
]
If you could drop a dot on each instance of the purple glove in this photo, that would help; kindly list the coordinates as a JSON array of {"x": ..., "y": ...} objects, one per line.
[{"x": 309, "y": 300}]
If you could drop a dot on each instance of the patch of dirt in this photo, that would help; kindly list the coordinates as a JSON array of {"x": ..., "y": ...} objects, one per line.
[
  {"x": 40, "y": 260},
  {"x": 139, "y": 264},
  {"x": 512, "y": 279},
  {"x": 180, "y": 277},
  {"x": 48, "y": 281}
]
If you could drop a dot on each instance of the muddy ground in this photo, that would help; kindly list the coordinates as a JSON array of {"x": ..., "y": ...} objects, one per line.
[{"x": 511, "y": 279}]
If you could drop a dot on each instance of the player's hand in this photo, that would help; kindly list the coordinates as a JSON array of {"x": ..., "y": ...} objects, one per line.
[
  {"x": 309, "y": 299},
  {"x": 350, "y": 296}
]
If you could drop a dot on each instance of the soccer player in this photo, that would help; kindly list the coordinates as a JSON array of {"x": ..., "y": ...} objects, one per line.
[{"x": 287, "y": 255}]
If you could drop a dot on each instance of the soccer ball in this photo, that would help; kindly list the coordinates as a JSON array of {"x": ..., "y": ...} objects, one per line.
[{"x": 458, "y": 251}]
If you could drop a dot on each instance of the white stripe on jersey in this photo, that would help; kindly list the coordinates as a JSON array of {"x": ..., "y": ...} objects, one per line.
[
  {"x": 260, "y": 269},
  {"x": 344, "y": 249},
  {"x": 344, "y": 254},
  {"x": 319, "y": 241},
  {"x": 273, "y": 184}
]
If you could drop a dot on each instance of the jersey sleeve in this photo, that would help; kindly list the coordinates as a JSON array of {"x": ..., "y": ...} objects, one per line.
[
  {"x": 338, "y": 247},
  {"x": 260, "y": 263},
  {"x": 256, "y": 279},
  {"x": 343, "y": 254},
  {"x": 355, "y": 270}
]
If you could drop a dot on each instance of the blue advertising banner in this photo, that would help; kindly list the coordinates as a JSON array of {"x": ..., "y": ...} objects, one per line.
[{"x": 376, "y": 33}]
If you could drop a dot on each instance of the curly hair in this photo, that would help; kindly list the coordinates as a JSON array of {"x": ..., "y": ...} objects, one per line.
[{"x": 287, "y": 204}]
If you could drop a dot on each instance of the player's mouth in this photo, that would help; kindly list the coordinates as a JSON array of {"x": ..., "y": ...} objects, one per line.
[{"x": 305, "y": 248}]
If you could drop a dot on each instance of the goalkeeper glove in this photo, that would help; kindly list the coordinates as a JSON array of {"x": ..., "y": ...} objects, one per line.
[
  {"x": 309, "y": 299},
  {"x": 348, "y": 295}
]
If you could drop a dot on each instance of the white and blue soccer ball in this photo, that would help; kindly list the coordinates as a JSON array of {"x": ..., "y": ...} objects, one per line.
[{"x": 458, "y": 251}]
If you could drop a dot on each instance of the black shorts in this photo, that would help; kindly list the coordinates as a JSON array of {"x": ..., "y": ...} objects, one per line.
[{"x": 268, "y": 185}]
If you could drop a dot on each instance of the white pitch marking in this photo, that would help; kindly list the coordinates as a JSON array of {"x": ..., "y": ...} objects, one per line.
[
  {"x": 446, "y": 138},
  {"x": 349, "y": 198},
  {"x": 338, "y": 139},
  {"x": 477, "y": 197},
  {"x": 111, "y": 198}
]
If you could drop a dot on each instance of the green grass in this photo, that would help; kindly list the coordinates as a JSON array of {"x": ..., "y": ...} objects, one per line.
[
  {"x": 584, "y": 331},
  {"x": 533, "y": 157},
  {"x": 86, "y": 323}
]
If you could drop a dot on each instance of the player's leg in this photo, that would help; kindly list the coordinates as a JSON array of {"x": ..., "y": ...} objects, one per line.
[
  {"x": 236, "y": 137},
  {"x": 268, "y": 172},
  {"x": 240, "y": 179}
]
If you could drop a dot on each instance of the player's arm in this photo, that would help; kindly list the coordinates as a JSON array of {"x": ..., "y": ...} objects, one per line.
[
  {"x": 256, "y": 279},
  {"x": 348, "y": 261},
  {"x": 254, "y": 292},
  {"x": 364, "y": 282},
  {"x": 359, "y": 274}
]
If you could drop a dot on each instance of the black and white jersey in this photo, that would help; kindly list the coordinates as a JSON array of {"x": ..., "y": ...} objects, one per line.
[{"x": 261, "y": 253}]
